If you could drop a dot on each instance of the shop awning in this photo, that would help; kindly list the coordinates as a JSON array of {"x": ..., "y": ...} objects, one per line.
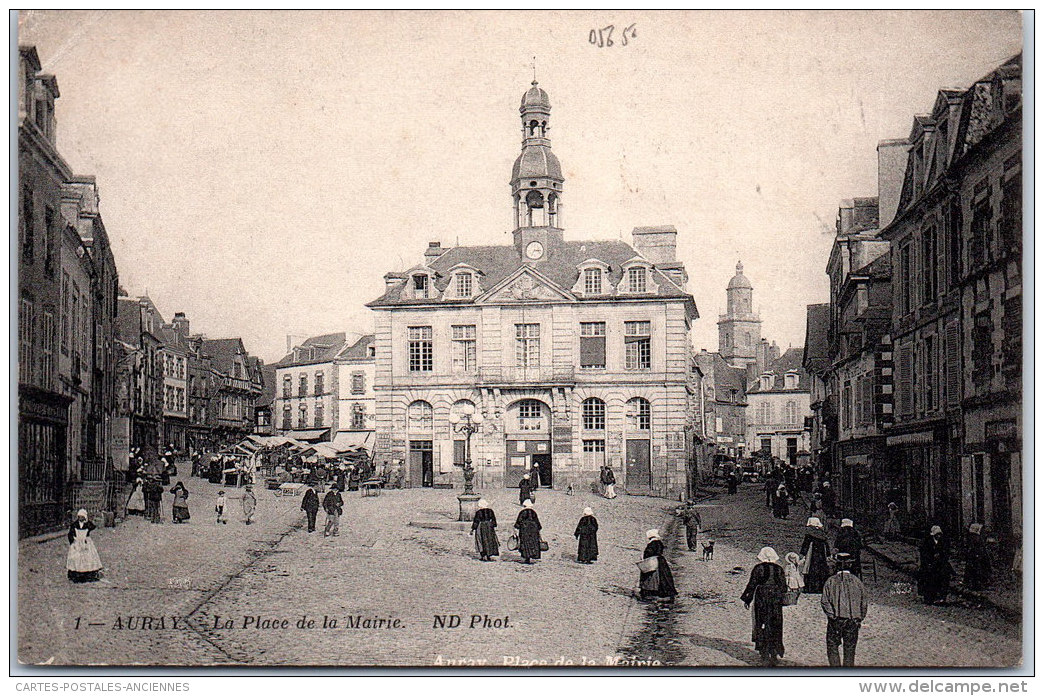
[
  {"x": 354, "y": 440},
  {"x": 311, "y": 435}
]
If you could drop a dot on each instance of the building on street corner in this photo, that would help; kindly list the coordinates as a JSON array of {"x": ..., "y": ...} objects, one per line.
[{"x": 576, "y": 353}]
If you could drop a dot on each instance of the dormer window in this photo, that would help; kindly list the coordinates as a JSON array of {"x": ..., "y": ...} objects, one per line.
[
  {"x": 464, "y": 284},
  {"x": 766, "y": 382},
  {"x": 790, "y": 381},
  {"x": 421, "y": 283},
  {"x": 636, "y": 279},
  {"x": 593, "y": 281}
]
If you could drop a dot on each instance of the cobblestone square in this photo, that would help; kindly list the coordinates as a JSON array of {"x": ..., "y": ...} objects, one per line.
[{"x": 238, "y": 594}]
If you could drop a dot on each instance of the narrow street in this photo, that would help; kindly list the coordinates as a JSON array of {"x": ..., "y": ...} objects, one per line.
[{"x": 223, "y": 592}]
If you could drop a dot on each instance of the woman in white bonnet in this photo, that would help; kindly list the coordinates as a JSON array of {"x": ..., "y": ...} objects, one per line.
[
  {"x": 587, "y": 536},
  {"x": 82, "y": 562},
  {"x": 814, "y": 549},
  {"x": 765, "y": 591},
  {"x": 484, "y": 527}
]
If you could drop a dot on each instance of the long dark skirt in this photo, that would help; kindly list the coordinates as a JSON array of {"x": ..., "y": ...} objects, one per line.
[
  {"x": 767, "y": 630},
  {"x": 486, "y": 542},
  {"x": 529, "y": 540},
  {"x": 587, "y": 550},
  {"x": 658, "y": 583},
  {"x": 181, "y": 514},
  {"x": 91, "y": 576}
]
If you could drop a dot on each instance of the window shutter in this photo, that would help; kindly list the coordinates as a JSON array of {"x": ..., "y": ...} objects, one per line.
[
  {"x": 592, "y": 351},
  {"x": 905, "y": 368},
  {"x": 953, "y": 363}
]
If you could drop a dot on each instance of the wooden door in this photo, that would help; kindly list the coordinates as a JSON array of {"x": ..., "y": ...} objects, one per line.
[
  {"x": 639, "y": 475},
  {"x": 420, "y": 463},
  {"x": 542, "y": 465}
]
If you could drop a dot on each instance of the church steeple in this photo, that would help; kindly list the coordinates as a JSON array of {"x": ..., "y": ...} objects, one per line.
[
  {"x": 536, "y": 179},
  {"x": 739, "y": 329}
]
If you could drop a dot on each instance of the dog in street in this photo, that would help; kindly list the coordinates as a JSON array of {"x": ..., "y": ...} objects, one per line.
[{"x": 708, "y": 550}]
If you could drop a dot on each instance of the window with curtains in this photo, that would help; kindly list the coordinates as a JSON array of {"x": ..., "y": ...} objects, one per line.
[
  {"x": 319, "y": 383},
  {"x": 287, "y": 386},
  {"x": 302, "y": 416},
  {"x": 302, "y": 384},
  {"x": 638, "y": 345},
  {"x": 592, "y": 345}
]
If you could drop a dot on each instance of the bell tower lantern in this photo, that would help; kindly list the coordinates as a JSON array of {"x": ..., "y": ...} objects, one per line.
[{"x": 536, "y": 181}]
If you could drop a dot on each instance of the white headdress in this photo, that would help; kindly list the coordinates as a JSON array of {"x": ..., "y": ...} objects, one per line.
[
  {"x": 814, "y": 522},
  {"x": 483, "y": 504},
  {"x": 588, "y": 511},
  {"x": 768, "y": 555},
  {"x": 528, "y": 503},
  {"x": 652, "y": 534}
]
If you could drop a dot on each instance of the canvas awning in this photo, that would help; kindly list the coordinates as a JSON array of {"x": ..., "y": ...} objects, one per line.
[
  {"x": 311, "y": 435},
  {"x": 353, "y": 441}
]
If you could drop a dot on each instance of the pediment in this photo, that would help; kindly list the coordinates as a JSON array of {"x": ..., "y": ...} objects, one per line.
[{"x": 525, "y": 285}]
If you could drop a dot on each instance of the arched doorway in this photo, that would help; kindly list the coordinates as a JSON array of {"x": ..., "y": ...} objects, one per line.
[
  {"x": 420, "y": 422},
  {"x": 527, "y": 431}
]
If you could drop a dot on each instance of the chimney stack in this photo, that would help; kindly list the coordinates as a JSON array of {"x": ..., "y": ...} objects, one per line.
[
  {"x": 657, "y": 244},
  {"x": 434, "y": 251},
  {"x": 181, "y": 326},
  {"x": 891, "y": 168}
]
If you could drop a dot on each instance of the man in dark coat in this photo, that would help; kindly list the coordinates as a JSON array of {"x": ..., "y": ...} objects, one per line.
[
  {"x": 525, "y": 489},
  {"x": 780, "y": 504},
  {"x": 771, "y": 484},
  {"x": 333, "y": 503},
  {"x": 935, "y": 572},
  {"x": 829, "y": 500},
  {"x": 690, "y": 516},
  {"x": 587, "y": 536},
  {"x": 765, "y": 590},
  {"x": 850, "y": 542},
  {"x": 732, "y": 482},
  {"x": 976, "y": 560},
  {"x": 310, "y": 505}
]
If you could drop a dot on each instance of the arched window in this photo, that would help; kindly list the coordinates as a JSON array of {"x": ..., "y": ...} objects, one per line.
[
  {"x": 421, "y": 417},
  {"x": 639, "y": 414},
  {"x": 593, "y": 412},
  {"x": 530, "y": 414}
]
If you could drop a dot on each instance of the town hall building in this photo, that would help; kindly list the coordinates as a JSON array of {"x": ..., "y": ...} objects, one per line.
[{"x": 576, "y": 353}]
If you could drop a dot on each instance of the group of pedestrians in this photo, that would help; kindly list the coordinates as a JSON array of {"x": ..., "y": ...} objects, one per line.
[
  {"x": 333, "y": 506},
  {"x": 843, "y": 599}
]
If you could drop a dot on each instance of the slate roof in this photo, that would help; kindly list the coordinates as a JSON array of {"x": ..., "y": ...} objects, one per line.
[
  {"x": 498, "y": 262},
  {"x": 358, "y": 350},
  {"x": 817, "y": 345},
  {"x": 268, "y": 375},
  {"x": 726, "y": 377},
  {"x": 221, "y": 352},
  {"x": 325, "y": 349},
  {"x": 790, "y": 361}
]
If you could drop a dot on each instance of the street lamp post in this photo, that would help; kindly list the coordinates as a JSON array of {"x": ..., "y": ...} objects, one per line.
[{"x": 468, "y": 422}]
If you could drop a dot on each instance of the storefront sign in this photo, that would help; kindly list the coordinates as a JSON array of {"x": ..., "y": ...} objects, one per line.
[
  {"x": 925, "y": 438},
  {"x": 996, "y": 430}
]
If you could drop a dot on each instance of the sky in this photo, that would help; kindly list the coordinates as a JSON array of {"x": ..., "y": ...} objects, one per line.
[{"x": 262, "y": 171}]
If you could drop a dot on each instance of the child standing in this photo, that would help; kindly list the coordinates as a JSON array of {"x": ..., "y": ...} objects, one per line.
[
  {"x": 219, "y": 508},
  {"x": 795, "y": 580}
]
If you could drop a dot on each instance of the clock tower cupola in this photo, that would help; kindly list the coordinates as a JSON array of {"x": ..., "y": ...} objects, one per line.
[{"x": 536, "y": 181}]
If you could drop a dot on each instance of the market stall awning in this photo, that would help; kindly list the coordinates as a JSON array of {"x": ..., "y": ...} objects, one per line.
[
  {"x": 310, "y": 435},
  {"x": 353, "y": 441}
]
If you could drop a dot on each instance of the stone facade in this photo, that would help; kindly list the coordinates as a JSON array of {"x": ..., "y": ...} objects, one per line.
[{"x": 576, "y": 353}]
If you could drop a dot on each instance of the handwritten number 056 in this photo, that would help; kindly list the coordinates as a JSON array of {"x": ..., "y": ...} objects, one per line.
[{"x": 603, "y": 38}]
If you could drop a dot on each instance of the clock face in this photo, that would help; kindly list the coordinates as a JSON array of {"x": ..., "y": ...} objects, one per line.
[{"x": 535, "y": 250}]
